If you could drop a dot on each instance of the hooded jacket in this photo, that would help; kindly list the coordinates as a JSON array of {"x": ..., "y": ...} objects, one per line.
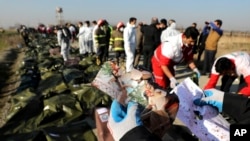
[
  {"x": 150, "y": 35},
  {"x": 168, "y": 32}
]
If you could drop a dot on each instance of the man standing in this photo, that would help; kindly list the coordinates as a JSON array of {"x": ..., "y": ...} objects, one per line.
[
  {"x": 94, "y": 27},
  {"x": 211, "y": 45},
  {"x": 172, "y": 52},
  {"x": 129, "y": 36},
  {"x": 117, "y": 43},
  {"x": 151, "y": 36},
  {"x": 139, "y": 46},
  {"x": 202, "y": 40},
  {"x": 169, "y": 31},
  {"x": 73, "y": 32},
  {"x": 85, "y": 39},
  {"x": 108, "y": 31},
  {"x": 100, "y": 41},
  {"x": 63, "y": 39}
]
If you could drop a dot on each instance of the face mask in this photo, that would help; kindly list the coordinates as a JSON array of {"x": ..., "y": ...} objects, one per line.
[{"x": 121, "y": 29}]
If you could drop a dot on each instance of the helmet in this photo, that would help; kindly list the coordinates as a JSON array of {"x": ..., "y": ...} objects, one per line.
[
  {"x": 100, "y": 22},
  {"x": 119, "y": 25}
]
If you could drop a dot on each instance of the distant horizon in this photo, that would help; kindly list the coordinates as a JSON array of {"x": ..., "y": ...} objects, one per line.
[
  {"x": 113, "y": 24},
  {"x": 31, "y": 13}
]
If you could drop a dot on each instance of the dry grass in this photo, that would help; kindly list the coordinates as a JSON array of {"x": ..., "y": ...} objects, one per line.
[
  {"x": 230, "y": 44},
  {"x": 9, "y": 39}
]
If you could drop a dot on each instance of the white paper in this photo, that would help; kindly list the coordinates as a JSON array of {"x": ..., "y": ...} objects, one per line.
[{"x": 213, "y": 127}]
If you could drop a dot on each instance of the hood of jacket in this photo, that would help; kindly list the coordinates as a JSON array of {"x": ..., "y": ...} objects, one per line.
[
  {"x": 130, "y": 25},
  {"x": 172, "y": 26}
]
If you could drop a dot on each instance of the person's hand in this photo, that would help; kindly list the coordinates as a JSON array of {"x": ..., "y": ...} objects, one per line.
[
  {"x": 212, "y": 97},
  {"x": 173, "y": 82},
  {"x": 197, "y": 72},
  {"x": 122, "y": 119}
]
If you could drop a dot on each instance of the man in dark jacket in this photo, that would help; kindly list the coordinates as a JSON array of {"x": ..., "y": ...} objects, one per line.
[{"x": 151, "y": 39}]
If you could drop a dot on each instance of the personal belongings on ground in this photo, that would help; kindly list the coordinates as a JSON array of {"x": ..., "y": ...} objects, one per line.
[
  {"x": 112, "y": 79},
  {"x": 101, "y": 119}
]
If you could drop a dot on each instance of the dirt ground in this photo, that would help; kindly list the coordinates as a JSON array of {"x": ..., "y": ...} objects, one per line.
[{"x": 9, "y": 79}]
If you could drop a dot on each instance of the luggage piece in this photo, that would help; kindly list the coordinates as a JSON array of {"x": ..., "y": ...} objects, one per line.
[
  {"x": 72, "y": 61},
  {"x": 55, "y": 51},
  {"x": 101, "y": 118}
]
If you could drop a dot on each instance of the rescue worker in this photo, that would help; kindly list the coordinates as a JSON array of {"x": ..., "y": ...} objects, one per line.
[
  {"x": 108, "y": 31},
  {"x": 169, "y": 31},
  {"x": 94, "y": 27},
  {"x": 100, "y": 41},
  {"x": 63, "y": 41},
  {"x": 85, "y": 39},
  {"x": 236, "y": 106},
  {"x": 117, "y": 43},
  {"x": 129, "y": 36},
  {"x": 230, "y": 66},
  {"x": 176, "y": 50}
]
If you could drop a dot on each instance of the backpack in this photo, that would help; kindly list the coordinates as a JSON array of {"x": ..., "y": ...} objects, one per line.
[{"x": 66, "y": 33}]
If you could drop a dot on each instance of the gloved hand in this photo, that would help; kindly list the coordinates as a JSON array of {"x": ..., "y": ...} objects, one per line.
[
  {"x": 173, "y": 82},
  {"x": 197, "y": 72},
  {"x": 122, "y": 119},
  {"x": 212, "y": 97}
]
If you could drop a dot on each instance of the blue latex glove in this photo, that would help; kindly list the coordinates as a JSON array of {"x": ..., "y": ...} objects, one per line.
[
  {"x": 197, "y": 72},
  {"x": 212, "y": 97},
  {"x": 122, "y": 119}
]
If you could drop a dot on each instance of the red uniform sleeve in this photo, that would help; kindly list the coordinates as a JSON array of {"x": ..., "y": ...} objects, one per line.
[
  {"x": 246, "y": 90},
  {"x": 212, "y": 81}
]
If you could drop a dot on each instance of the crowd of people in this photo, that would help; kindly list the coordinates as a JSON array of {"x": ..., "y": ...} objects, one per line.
[{"x": 162, "y": 46}]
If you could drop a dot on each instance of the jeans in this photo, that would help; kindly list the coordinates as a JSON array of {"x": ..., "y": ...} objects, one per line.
[{"x": 209, "y": 58}]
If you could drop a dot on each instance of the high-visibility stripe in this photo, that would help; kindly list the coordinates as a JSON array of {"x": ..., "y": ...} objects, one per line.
[
  {"x": 118, "y": 39},
  {"x": 118, "y": 49}
]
